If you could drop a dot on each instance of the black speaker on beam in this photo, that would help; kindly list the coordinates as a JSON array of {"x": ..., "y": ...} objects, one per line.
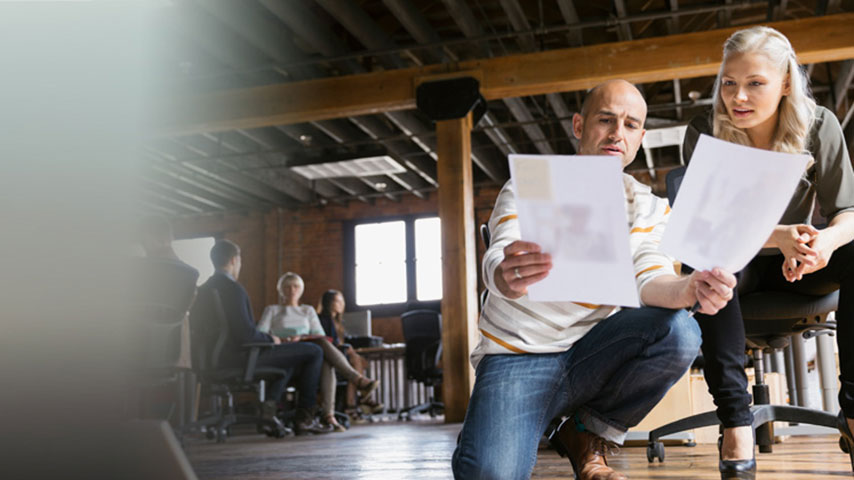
[{"x": 451, "y": 98}]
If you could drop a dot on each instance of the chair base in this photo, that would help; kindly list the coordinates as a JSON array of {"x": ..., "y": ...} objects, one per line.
[
  {"x": 432, "y": 407},
  {"x": 762, "y": 416}
]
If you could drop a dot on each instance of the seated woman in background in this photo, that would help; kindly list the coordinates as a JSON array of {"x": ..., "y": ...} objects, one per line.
[
  {"x": 331, "y": 311},
  {"x": 294, "y": 322}
]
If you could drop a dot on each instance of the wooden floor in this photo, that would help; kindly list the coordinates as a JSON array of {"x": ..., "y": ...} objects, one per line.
[{"x": 422, "y": 450}]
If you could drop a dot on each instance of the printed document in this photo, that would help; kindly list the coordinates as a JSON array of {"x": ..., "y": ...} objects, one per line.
[
  {"x": 574, "y": 208},
  {"x": 730, "y": 199}
]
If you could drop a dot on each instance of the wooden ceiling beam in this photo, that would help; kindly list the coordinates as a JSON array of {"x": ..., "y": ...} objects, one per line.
[{"x": 689, "y": 55}]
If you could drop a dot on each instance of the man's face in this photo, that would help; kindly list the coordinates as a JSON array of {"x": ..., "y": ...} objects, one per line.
[
  {"x": 613, "y": 124},
  {"x": 237, "y": 265}
]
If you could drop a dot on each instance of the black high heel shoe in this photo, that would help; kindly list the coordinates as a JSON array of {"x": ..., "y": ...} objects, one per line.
[
  {"x": 846, "y": 443},
  {"x": 736, "y": 469}
]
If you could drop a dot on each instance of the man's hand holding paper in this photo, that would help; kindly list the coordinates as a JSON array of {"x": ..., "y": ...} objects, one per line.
[
  {"x": 573, "y": 209},
  {"x": 524, "y": 264}
]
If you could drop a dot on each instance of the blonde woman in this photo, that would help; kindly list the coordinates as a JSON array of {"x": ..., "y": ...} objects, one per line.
[
  {"x": 294, "y": 322},
  {"x": 762, "y": 100}
]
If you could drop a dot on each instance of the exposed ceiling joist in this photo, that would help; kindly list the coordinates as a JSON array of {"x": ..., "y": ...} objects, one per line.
[
  {"x": 563, "y": 112},
  {"x": 406, "y": 152},
  {"x": 647, "y": 60},
  {"x": 215, "y": 199},
  {"x": 360, "y": 25},
  {"x": 840, "y": 89},
  {"x": 229, "y": 173},
  {"x": 570, "y": 16},
  {"x": 199, "y": 204},
  {"x": 520, "y": 111},
  {"x": 516, "y": 105},
  {"x": 165, "y": 160}
]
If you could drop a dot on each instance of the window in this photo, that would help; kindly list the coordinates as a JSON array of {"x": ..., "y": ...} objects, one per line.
[
  {"x": 196, "y": 252},
  {"x": 380, "y": 263},
  {"x": 394, "y": 263},
  {"x": 428, "y": 259}
]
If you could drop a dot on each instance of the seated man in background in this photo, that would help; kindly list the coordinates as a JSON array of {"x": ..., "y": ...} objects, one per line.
[
  {"x": 174, "y": 285},
  {"x": 155, "y": 236},
  {"x": 304, "y": 358},
  {"x": 604, "y": 367}
]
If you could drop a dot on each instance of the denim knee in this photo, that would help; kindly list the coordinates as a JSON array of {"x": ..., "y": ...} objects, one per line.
[
  {"x": 466, "y": 467},
  {"x": 492, "y": 461},
  {"x": 683, "y": 336}
]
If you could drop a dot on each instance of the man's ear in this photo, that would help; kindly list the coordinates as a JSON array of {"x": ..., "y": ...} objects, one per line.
[{"x": 577, "y": 125}]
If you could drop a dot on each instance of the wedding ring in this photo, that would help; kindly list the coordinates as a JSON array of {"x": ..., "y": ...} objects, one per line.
[{"x": 516, "y": 272}]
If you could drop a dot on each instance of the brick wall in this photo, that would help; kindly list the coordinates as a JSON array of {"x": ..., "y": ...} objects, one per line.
[{"x": 309, "y": 241}]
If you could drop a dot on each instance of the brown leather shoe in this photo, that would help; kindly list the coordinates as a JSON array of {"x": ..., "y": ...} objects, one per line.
[{"x": 586, "y": 452}]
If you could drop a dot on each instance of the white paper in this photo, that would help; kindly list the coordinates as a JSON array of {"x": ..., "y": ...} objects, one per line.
[
  {"x": 574, "y": 208},
  {"x": 730, "y": 199}
]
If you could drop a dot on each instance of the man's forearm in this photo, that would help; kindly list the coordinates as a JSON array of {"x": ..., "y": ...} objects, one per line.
[{"x": 668, "y": 291}]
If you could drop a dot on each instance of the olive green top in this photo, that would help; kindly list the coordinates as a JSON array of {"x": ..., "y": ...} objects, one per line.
[{"x": 830, "y": 178}]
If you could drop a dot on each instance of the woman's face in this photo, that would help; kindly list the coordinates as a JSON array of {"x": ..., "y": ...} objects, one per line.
[
  {"x": 751, "y": 90},
  {"x": 338, "y": 304},
  {"x": 291, "y": 291}
]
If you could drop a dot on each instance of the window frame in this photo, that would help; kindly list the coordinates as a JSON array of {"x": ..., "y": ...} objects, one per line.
[{"x": 387, "y": 309}]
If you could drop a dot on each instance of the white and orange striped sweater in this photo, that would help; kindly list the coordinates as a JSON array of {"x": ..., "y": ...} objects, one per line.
[{"x": 525, "y": 326}]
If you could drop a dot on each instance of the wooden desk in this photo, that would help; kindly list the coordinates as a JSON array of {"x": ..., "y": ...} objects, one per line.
[{"x": 396, "y": 392}]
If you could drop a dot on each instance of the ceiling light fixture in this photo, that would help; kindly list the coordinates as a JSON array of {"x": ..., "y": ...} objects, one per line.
[{"x": 359, "y": 167}]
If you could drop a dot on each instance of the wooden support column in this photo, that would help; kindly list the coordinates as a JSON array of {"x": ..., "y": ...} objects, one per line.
[{"x": 459, "y": 269}]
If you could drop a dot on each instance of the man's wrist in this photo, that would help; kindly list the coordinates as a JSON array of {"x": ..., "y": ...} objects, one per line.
[{"x": 688, "y": 297}]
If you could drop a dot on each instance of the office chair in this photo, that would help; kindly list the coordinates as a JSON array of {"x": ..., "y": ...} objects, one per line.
[
  {"x": 209, "y": 335},
  {"x": 771, "y": 321},
  {"x": 422, "y": 333},
  {"x": 486, "y": 237},
  {"x": 162, "y": 291}
]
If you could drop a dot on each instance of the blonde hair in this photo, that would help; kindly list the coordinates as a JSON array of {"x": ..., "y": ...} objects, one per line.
[
  {"x": 288, "y": 277},
  {"x": 796, "y": 110}
]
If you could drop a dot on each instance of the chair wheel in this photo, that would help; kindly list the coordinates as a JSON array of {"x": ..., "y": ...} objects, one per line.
[
  {"x": 843, "y": 445},
  {"x": 210, "y": 433},
  {"x": 221, "y": 435},
  {"x": 655, "y": 450}
]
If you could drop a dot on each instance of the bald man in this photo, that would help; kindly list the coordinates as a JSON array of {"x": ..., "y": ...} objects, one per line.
[{"x": 601, "y": 367}]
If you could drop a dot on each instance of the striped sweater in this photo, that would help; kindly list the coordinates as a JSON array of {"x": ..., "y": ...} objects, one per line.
[{"x": 524, "y": 326}]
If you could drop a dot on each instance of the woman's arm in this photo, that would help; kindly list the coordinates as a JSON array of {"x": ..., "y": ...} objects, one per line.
[
  {"x": 839, "y": 232},
  {"x": 314, "y": 326},
  {"x": 834, "y": 192}
]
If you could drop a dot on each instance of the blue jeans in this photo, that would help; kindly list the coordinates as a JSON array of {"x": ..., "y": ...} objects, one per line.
[
  {"x": 611, "y": 378},
  {"x": 304, "y": 359}
]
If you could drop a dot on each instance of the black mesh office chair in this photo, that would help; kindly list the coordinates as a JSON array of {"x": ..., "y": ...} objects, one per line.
[
  {"x": 209, "y": 335},
  {"x": 771, "y": 319},
  {"x": 422, "y": 332}
]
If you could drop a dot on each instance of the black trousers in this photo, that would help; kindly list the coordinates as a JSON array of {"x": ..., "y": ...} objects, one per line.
[{"x": 723, "y": 333}]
